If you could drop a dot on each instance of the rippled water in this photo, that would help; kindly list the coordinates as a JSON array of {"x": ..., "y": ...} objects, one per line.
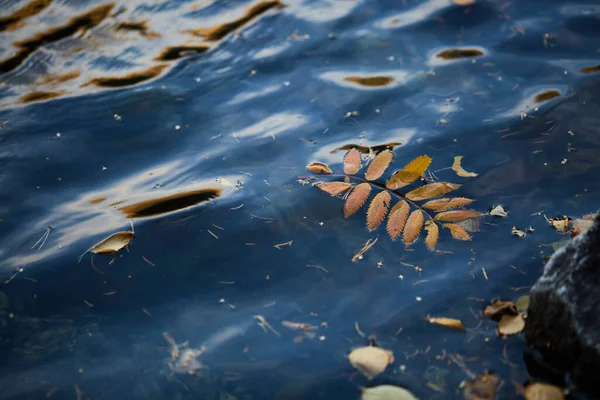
[{"x": 136, "y": 104}]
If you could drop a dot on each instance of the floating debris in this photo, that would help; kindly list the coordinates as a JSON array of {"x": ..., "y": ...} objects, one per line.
[
  {"x": 499, "y": 211},
  {"x": 370, "y": 361}
]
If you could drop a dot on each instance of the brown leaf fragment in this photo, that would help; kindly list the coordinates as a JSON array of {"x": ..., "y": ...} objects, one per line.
[
  {"x": 433, "y": 234},
  {"x": 410, "y": 173},
  {"x": 458, "y": 232},
  {"x": 463, "y": 2},
  {"x": 413, "y": 226},
  {"x": 352, "y": 162},
  {"x": 379, "y": 164},
  {"x": 357, "y": 198},
  {"x": 113, "y": 243},
  {"x": 378, "y": 209},
  {"x": 511, "y": 324},
  {"x": 370, "y": 243},
  {"x": 397, "y": 219},
  {"x": 543, "y": 391},
  {"x": 333, "y": 188},
  {"x": 319, "y": 168},
  {"x": 499, "y": 308},
  {"x": 431, "y": 190},
  {"x": 457, "y": 215},
  {"x": 561, "y": 224},
  {"x": 370, "y": 361},
  {"x": 460, "y": 171},
  {"x": 447, "y": 322},
  {"x": 483, "y": 387},
  {"x": 447, "y": 203}
]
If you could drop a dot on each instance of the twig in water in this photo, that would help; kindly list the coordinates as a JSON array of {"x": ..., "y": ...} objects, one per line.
[{"x": 43, "y": 238}]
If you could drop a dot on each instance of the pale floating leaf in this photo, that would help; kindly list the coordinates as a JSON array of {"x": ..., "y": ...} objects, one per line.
[
  {"x": 410, "y": 173},
  {"x": 319, "y": 168},
  {"x": 378, "y": 209},
  {"x": 397, "y": 219},
  {"x": 499, "y": 211},
  {"x": 511, "y": 324},
  {"x": 561, "y": 224},
  {"x": 518, "y": 232},
  {"x": 370, "y": 361},
  {"x": 458, "y": 232},
  {"x": 352, "y": 162},
  {"x": 413, "y": 226},
  {"x": 431, "y": 190},
  {"x": 483, "y": 387},
  {"x": 522, "y": 303},
  {"x": 379, "y": 164},
  {"x": 433, "y": 234},
  {"x": 457, "y": 215},
  {"x": 543, "y": 391},
  {"x": 113, "y": 243},
  {"x": 386, "y": 392},
  {"x": 357, "y": 198},
  {"x": 447, "y": 203},
  {"x": 447, "y": 322},
  {"x": 333, "y": 188},
  {"x": 460, "y": 171}
]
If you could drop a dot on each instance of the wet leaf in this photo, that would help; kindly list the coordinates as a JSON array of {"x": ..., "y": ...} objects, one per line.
[
  {"x": 319, "y": 168},
  {"x": 460, "y": 171},
  {"x": 333, "y": 188},
  {"x": 370, "y": 361},
  {"x": 378, "y": 209},
  {"x": 433, "y": 234},
  {"x": 352, "y": 162},
  {"x": 517, "y": 232},
  {"x": 447, "y": 322},
  {"x": 499, "y": 308},
  {"x": 483, "y": 387},
  {"x": 458, "y": 232},
  {"x": 386, "y": 392},
  {"x": 413, "y": 226},
  {"x": 447, "y": 203},
  {"x": 432, "y": 190},
  {"x": 511, "y": 324},
  {"x": 543, "y": 391},
  {"x": 379, "y": 164},
  {"x": 561, "y": 224},
  {"x": 397, "y": 219},
  {"x": 357, "y": 198},
  {"x": 113, "y": 243},
  {"x": 522, "y": 303},
  {"x": 410, "y": 173},
  {"x": 499, "y": 211},
  {"x": 457, "y": 215}
]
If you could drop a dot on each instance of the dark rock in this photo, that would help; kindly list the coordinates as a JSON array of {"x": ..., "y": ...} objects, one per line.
[{"x": 563, "y": 320}]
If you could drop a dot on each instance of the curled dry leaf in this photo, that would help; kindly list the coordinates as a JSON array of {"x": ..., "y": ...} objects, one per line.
[
  {"x": 543, "y": 391},
  {"x": 413, "y": 226},
  {"x": 511, "y": 324},
  {"x": 319, "y": 168},
  {"x": 378, "y": 209},
  {"x": 333, "y": 188},
  {"x": 561, "y": 224},
  {"x": 483, "y": 387},
  {"x": 386, "y": 392},
  {"x": 397, "y": 219},
  {"x": 352, "y": 162},
  {"x": 370, "y": 361},
  {"x": 458, "y": 232},
  {"x": 457, "y": 215},
  {"x": 499, "y": 308},
  {"x": 517, "y": 232},
  {"x": 410, "y": 173},
  {"x": 357, "y": 198},
  {"x": 379, "y": 164},
  {"x": 460, "y": 171},
  {"x": 432, "y": 190},
  {"x": 499, "y": 211},
  {"x": 113, "y": 243},
  {"x": 433, "y": 234},
  {"x": 447, "y": 322},
  {"x": 447, "y": 203}
]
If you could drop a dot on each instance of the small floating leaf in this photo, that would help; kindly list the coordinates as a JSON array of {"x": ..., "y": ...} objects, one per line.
[
  {"x": 378, "y": 209},
  {"x": 447, "y": 322},
  {"x": 357, "y": 198},
  {"x": 460, "y": 171},
  {"x": 397, "y": 219},
  {"x": 543, "y": 391},
  {"x": 410, "y": 173},
  {"x": 432, "y": 190},
  {"x": 561, "y": 224},
  {"x": 447, "y": 203},
  {"x": 413, "y": 226},
  {"x": 113, "y": 243},
  {"x": 379, "y": 164},
  {"x": 499, "y": 211},
  {"x": 522, "y": 303},
  {"x": 352, "y": 162},
  {"x": 319, "y": 168},
  {"x": 370, "y": 361},
  {"x": 457, "y": 215},
  {"x": 458, "y": 232},
  {"x": 433, "y": 234},
  {"x": 511, "y": 324},
  {"x": 386, "y": 392},
  {"x": 333, "y": 188},
  {"x": 483, "y": 387}
]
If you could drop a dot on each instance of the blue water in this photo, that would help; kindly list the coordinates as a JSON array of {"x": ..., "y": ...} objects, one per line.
[{"x": 256, "y": 108}]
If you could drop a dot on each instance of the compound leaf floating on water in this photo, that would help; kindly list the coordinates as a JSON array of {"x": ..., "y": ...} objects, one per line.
[
  {"x": 413, "y": 226},
  {"x": 334, "y": 188},
  {"x": 370, "y": 361},
  {"x": 460, "y": 171},
  {"x": 319, "y": 168},
  {"x": 397, "y": 219},
  {"x": 410, "y": 173},
  {"x": 457, "y": 215},
  {"x": 386, "y": 392},
  {"x": 113, "y": 243},
  {"x": 431, "y": 190},
  {"x": 447, "y": 203},
  {"x": 352, "y": 162},
  {"x": 378, "y": 209},
  {"x": 379, "y": 164},
  {"x": 433, "y": 234},
  {"x": 357, "y": 198}
]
